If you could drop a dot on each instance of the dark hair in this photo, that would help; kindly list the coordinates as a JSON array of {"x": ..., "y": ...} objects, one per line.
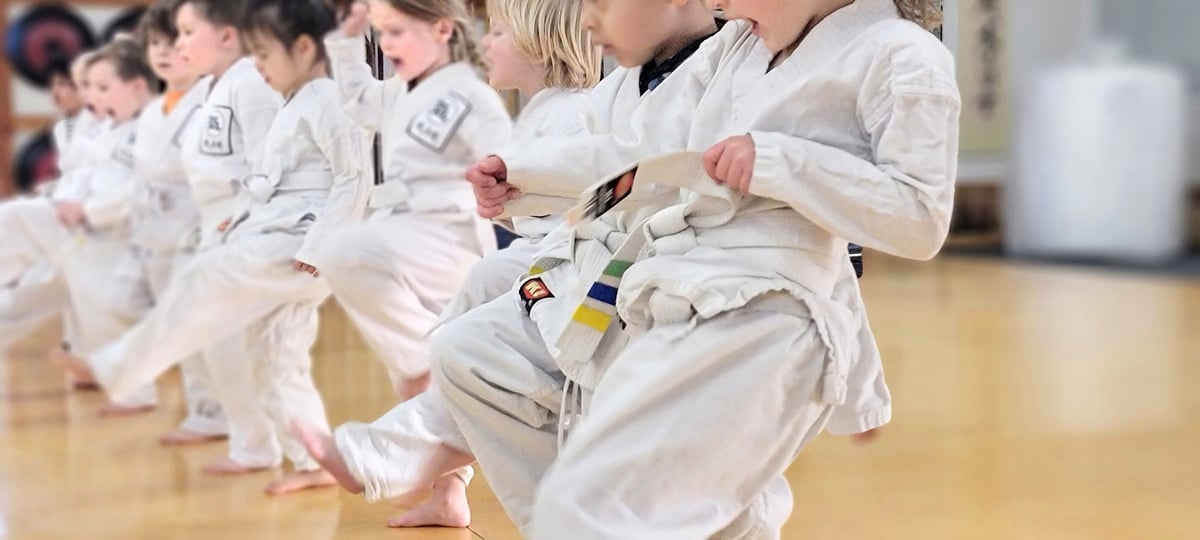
[
  {"x": 59, "y": 65},
  {"x": 217, "y": 12},
  {"x": 128, "y": 59},
  {"x": 159, "y": 19},
  {"x": 288, "y": 20}
]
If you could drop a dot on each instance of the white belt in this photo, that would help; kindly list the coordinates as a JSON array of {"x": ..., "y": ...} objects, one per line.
[
  {"x": 262, "y": 187},
  {"x": 429, "y": 196}
]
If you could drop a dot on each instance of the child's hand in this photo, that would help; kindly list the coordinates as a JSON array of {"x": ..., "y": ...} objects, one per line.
[
  {"x": 489, "y": 180},
  {"x": 354, "y": 24},
  {"x": 306, "y": 268},
  {"x": 70, "y": 214},
  {"x": 223, "y": 225},
  {"x": 731, "y": 162}
]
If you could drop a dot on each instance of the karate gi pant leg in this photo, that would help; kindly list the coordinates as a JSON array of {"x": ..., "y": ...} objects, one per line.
[
  {"x": 34, "y": 299},
  {"x": 108, "y": 297},
  {"x": 393, "y": 274},
  {"x": 204, "y": 413},
  {"x": 225, "y": 293},
  {"x": 389, "y": 455},
  {"x": 285, "y": 379},
  {"x": 32, "y": 234},
  {"x": 689, "y": 426}
]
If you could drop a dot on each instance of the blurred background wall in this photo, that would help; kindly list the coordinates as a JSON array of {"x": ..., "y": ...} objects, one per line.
[{"x": 1037, "y": 173}]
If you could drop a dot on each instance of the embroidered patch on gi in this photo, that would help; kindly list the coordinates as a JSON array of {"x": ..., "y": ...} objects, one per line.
[
  {"x": 216, "y": 137},
  {"x": 123, "y": 153},
  {"x": 437, "y": 125},
  {"x": 534, "y": 291},
  {"x": 177, "y": 139}
]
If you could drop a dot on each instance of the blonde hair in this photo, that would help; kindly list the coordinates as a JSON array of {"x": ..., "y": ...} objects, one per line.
[
  {"x": 464, "y": 44},
  {"x": 80, "y": 65},
  {"x": 927, "y": 13},
  {"x": 550, "y": 34}
]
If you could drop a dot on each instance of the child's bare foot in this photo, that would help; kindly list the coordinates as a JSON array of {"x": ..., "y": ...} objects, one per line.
[
  {"x": 78, "y": 370},
  {"x": 410, "y": 388},
  {"x": 323, "y": 449},
  {"x": 447, "y": 507},
  {"x": 866, "y": 436},
  {"x": 300, "y": 480},
  {"x": 183, "y": 437},
  {"x": 228, "y": 467},
  {"x": 83, "y": 386},
  {"x": 113, "y": 410}
]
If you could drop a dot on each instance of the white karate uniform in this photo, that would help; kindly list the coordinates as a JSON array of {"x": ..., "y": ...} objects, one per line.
[
  {"x": 31, "y": 290},
  {"x": 311, "y": 179},
  {"x": 395, "y": 272},
  {"x": 551, "y": 113},
  {"x": 105, "y": 195},
  {"x": 227, "y": 139},
  {"x": 502, "y": 383},
  {"x": 224, "y": 139},
  {"x": 164, "y": 219},
  {"x": 389, "y": 455},
  {"x": 856, "y": 139}
]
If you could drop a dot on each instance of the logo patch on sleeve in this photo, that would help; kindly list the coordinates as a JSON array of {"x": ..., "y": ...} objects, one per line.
[
  {"x": 533, "y": 291},
  {"x": 434, "y": 127},
  {"x": 216, "y": 135}
]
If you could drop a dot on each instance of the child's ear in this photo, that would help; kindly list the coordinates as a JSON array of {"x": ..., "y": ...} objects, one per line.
[
  {"x": 231, "y": 38},
  {"x": 443, "y": 29},
  {"x": 305, "y": 48}
]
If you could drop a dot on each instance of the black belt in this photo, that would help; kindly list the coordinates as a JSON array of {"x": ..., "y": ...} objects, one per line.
[{"x": 856, "y": 259}]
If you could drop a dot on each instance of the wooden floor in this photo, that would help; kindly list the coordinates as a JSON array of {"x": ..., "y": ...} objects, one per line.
[{"x": 1030, "y": 402}]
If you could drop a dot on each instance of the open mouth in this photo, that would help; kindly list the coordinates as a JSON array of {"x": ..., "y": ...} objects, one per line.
[{"x": 111, "y": 112}]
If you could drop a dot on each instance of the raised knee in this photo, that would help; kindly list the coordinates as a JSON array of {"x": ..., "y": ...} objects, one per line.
[{"x": 446, "y": 352}]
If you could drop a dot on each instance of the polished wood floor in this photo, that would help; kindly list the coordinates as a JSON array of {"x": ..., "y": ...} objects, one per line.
[{"x": 1031, "y": 402}]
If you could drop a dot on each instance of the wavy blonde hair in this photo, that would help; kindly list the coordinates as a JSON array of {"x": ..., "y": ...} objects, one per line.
[
  {"x": 927, "y": 13},
  {"x": 550, "y": 34}
]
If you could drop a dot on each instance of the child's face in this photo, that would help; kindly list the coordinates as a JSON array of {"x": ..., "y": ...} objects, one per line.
[
  {"x": 778, "y": 23},
  {"x": 509, "y": 67},
  {"x": 199, "y": 40},
  {"x": 631, "y": 31},
  {"x": 114, "y": 98},
  {"x": 66, "y": 97},
  {"x": 279, "y": 68},
  {"x": 164, "y": 59},
  {"x": 86, "y": 95},
  {"x": 413, "y": 46}
]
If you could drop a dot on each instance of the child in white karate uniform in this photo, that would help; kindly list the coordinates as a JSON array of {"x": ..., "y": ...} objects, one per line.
[
  {"x": 123, "y": 85},
  {"x": 834, "y": 121},
  {"x": 539, "y": 48},
  {"x": 218, "y": 147},
  {"x": 32, "y": 295},
  {"x": 311, "y": 179},
  {"x": 164, "y": 214},
  {"x": 394, "y": 273}
]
